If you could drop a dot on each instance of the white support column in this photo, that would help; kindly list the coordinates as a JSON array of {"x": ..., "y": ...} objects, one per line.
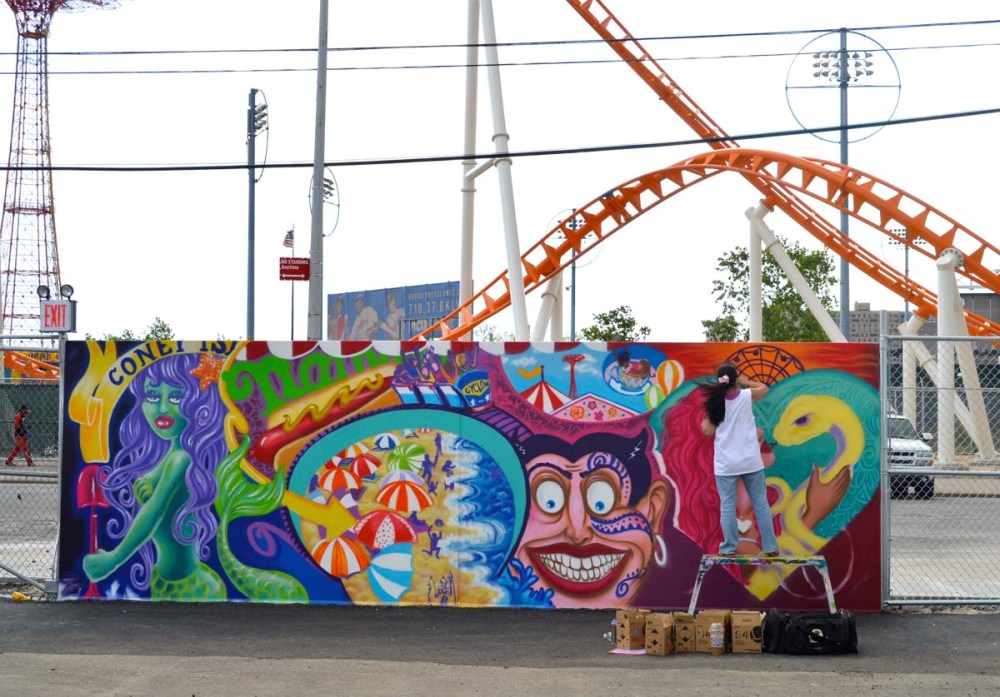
[
  {"x": 500, "y": 138},
  {"x": 550, "y": 298},
  {"x": 557, "y": 311},
  {"x": 979, "y": 428},
  {"x": 465, "y": 287},
  {"x": 910, "y": 328},
  {"x": 760, "y": 228},
  {"x": 923, "y": 359},
  {"x": 756, "y": 274},
  {"x": 949, "y": 260}
]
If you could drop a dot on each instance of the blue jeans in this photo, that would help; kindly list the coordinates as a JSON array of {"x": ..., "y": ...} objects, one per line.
[{"x": 756, "y": 486}]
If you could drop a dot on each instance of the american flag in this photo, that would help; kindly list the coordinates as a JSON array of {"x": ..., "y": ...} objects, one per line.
[{"x": 289, "y": 238}]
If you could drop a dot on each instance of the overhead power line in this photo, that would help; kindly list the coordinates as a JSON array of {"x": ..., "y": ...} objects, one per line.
[
  {"x": 508, "y": 44},
  {"x": 502, "y": 64},
  {"x": 516, "y": 154}
]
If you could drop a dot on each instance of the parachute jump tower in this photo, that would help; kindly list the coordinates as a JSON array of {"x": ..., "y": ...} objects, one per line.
[{"x": 29, "y": 256}]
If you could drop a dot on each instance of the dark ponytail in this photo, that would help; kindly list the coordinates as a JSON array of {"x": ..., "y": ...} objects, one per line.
[{"x": 715, "y": 392}]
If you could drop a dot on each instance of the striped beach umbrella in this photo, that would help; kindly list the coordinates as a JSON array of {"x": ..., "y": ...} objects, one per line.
[
  {"x": 365, "y": 465},
  {"x": 391, "y": 572},
  {"x": 386, "y": 441},
  {"x": 380, "y": 529},
  {"x": 405, "y": 497},
  {"x": 338, "y": 478},
  {"x": 358, "y": 448},
  {"x": 340, "y": 557},
  {"x": 401, "y": 476},
  {"x": 408, "y": 456}
]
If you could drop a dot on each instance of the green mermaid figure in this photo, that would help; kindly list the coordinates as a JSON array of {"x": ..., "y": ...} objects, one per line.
[{"x": 163, "y": 484}]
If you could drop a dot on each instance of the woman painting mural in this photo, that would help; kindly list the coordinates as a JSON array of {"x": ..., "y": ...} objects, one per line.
[
  {"x": 594, "y": 517},
  {"x": 162, "y": 484}
]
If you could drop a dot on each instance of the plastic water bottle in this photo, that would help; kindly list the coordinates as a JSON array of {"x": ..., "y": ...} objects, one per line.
[
  {"x": 610, "y": 636},
  {"x": 718, "y": 637}
]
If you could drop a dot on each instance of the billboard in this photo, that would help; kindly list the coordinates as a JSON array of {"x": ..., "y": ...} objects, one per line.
[{"x": 388, "y": 313}]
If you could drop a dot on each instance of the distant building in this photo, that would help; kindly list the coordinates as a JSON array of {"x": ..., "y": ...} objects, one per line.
[
  {"x": 865, "y": 322},
  {"x": 982, "y": 302}
]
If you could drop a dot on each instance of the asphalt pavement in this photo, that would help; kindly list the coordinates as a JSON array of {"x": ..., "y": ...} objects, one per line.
[{"x": 143, "y": 648}]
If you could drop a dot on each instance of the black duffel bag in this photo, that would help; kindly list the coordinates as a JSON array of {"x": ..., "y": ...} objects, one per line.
[{"x": 810, "y": 633}]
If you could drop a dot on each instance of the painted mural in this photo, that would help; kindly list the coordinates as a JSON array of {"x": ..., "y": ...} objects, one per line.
[{"x": 524, "y": 475}]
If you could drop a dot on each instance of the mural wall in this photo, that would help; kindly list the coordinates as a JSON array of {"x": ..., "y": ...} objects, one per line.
[{"x": 522, "y": 475}]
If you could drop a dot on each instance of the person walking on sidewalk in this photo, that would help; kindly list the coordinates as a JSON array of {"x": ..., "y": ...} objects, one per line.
[
  {"x": 729, "y": 419},
  {"x": 21, "y": 429}
]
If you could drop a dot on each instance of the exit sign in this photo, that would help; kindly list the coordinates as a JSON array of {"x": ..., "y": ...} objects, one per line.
[{"x": 58, "y": 316}]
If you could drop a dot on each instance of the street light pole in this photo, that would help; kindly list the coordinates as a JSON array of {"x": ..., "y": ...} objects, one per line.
[
  {"x": 838, "y": 67},
  {"x": 256, "y": 122},
  {"x": 843, "y": 77}
]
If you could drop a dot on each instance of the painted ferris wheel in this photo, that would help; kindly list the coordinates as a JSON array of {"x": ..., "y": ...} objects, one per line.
[{"x": 29, "y": 253}]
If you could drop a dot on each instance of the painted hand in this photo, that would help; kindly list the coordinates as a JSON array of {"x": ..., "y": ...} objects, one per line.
[
  {"x": 99, "y": 565},
  {"x": 143, "y": 490},
  {"x": 822, "y": 498}
]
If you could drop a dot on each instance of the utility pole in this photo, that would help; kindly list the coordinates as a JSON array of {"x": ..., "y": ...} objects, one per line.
[{"x": 315, "y": 329}]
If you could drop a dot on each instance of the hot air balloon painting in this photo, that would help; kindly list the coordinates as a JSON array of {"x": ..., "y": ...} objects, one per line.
[
  {"x": 391, "y": 572},
  {"x": 381, "y": 529},
  {"x": 669, "y": 375},
  {"x": 405, "y": 497},
  {"x": 365, "y": 465},
  {"x": 340, "y": 557},
  {"x": 338, "y": 478},
  {"x": 408, "y": 456}
]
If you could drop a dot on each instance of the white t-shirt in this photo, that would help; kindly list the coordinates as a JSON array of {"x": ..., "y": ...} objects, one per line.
[{"x": 737, "y": 450}]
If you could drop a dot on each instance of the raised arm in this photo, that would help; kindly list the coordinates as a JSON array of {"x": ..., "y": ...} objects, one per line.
[{"x": 757, "y": 389}]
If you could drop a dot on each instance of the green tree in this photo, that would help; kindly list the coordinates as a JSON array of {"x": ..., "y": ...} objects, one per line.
[
  {"x": 784, "y": 316},
  {"x": 159, "y": 330},
  {"x": 615, "y": 325}
]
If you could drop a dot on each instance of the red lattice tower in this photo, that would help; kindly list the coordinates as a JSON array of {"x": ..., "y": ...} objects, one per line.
[
  {"x": 573, "y": 359},
  {"x": 29, "y": 256}
]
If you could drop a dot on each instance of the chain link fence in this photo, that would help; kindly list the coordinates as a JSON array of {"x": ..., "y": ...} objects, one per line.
[
  {"x": 941, "y": 486},
  {"x": 29, "y": 495}
]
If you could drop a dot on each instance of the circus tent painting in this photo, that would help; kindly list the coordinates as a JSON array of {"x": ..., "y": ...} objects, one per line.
[{"x": 544, "y": 396}]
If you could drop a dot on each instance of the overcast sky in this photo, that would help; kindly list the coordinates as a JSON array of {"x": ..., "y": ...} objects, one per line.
[{"x": 174, "y": 244}]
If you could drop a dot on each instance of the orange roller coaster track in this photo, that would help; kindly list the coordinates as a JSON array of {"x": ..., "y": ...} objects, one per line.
[
  {"x": 778, "y": 177},
  {"x": 872, "y": 201},
  {"x": 30, "y": 367}
]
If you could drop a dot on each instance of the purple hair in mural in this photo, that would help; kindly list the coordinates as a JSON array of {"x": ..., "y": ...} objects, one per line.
[{"x": 169, "y": 406}]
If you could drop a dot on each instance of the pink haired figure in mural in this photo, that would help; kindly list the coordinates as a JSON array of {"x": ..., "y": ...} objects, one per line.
[
  {"x": 594, "y": 517},
  {"x": 737, "y": 460},
  {"x": 688, "y": 458}
]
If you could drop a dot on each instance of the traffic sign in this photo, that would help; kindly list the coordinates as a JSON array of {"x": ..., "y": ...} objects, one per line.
[{"x": 294, "y": 269}]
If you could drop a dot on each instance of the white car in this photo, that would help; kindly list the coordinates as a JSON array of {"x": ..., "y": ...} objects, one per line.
[{"x": 907, "y": 450}]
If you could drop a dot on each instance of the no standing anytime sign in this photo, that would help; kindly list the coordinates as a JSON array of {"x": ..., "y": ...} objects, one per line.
[{"x": 294, "y": 269}]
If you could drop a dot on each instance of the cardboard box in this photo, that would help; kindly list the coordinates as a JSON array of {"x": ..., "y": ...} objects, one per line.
[
  {"x": 748, "y": 628},
  {"x": 630, "y": 629},
  {"x": 659, "y": 633},
  {"x": 703, "y": 621},
  {"x": 684, "y": 633}
]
